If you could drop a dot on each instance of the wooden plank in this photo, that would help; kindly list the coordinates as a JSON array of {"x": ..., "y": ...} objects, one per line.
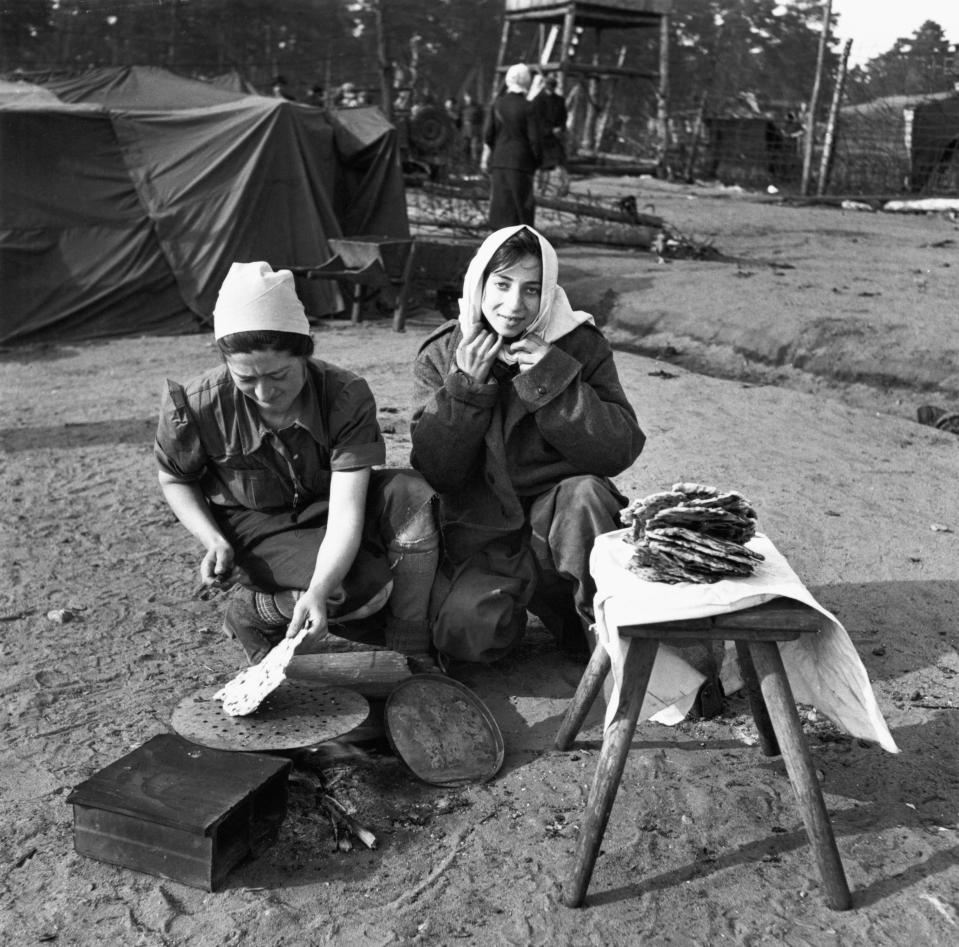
[
  {"x": 637, "y": 6},
  {"x": 607, "y": 235},
  {"x": 370, "y": 673},
  {"x": 679, "y": 632},
  {"x": 583, "y": 209},
  {"x": 578, "y": 208},
  {"x": 600, "y": 70},
  {"x": 778, "y": 620}
]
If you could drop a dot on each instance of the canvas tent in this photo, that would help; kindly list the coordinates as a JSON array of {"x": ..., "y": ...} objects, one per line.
[{"x": 125, "y": 197}]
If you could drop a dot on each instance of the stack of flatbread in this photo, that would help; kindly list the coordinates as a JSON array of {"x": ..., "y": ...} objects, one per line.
[{"x": 691, "y": 533}]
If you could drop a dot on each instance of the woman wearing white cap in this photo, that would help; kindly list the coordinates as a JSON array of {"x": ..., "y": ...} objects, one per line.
[
  {"x": 519, "y": 421},
  {"x": 268, "y": 461}
]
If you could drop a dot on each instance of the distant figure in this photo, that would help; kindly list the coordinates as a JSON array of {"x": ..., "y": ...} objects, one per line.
[
  {"x": 551, "y": 107},
  {"x": 471, "y": 129},
  {"x": 280, "y": 89},
  {"x": 347, "y": 96},
  {"x": 452, "y": 110},
  {"x": 512, "y": 152},
  {"x": 317, "y": 96}
]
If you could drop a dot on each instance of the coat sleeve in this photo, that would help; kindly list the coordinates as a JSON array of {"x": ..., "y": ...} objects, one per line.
[
  {"x": 489, "y": 126},
  {"x": 451, "y": 414},
  {"x": 581, "y": 409},
  {"x": 178, "y": 447}
]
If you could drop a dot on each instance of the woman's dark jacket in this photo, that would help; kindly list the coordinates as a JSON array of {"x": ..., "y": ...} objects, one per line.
[{"x": 483, "y": 447}]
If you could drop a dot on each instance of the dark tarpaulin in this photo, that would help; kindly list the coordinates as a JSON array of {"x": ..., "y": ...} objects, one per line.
[
  {"x": 124, "y": 219},
  {"x": 370, "y": 150},
  {"x": 134, "y": 87},
  {"x": 243, "y": 181},
  {"x": 78, "y": 257}
]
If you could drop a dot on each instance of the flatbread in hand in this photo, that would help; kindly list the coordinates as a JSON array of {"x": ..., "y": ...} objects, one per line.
[{"x": 253, "y": 685}]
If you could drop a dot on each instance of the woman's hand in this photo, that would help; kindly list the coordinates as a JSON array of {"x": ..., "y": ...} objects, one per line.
[
  {"x": 528, "y": 351},
  {"x": 217, "y": 565},
  {"x": 310, "y": 613},
  {"x": 477, "y": 352}
]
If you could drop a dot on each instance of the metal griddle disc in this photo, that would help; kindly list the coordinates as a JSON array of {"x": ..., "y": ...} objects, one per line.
[{"x": 295, "y": 715}]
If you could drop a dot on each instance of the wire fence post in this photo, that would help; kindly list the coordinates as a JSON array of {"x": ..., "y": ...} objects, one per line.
[
  {"x": 814, "y": 99},
  {"x": 829, "y": 143}
]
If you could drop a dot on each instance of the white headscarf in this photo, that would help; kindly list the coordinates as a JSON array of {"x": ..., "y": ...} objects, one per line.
[
  {"x": 556, "y": 317},
  {"x": 253, "y": 297},
  {"x": 518, "y": 78}
]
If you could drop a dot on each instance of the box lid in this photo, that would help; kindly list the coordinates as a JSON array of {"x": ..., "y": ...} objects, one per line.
[{"x": 174, "y": 782}]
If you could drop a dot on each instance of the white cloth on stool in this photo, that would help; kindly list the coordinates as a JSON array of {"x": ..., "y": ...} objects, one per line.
[{"x": 824, "y": 669}]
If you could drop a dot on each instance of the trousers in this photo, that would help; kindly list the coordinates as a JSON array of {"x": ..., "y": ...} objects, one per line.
[
  {"x": 398, "y": 555},
  {"x": 480, "y": 601}
]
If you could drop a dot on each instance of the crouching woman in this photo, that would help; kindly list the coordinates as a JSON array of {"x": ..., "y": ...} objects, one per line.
[
  {"x": 519, "y": 423},
  {"x": 268, "y": 460}
]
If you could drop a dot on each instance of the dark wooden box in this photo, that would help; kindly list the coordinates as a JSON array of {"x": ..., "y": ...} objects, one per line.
[{"x": 180, "y": 810}]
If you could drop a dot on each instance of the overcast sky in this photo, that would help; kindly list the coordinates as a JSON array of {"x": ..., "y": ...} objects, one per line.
[{"x": 874, "y": 25}]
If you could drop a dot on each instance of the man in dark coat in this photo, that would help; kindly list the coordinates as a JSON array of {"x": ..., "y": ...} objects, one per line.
[
  {"x": 471, "y": 129},
  {"x": 553, "y": 115},
  {"x": 512, "y": 152}
]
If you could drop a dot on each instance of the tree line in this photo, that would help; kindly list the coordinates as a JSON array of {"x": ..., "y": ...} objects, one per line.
[{"x": 724, "y": 55}]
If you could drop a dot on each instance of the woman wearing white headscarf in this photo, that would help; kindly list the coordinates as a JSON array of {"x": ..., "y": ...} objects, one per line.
[
  {"x": 519, "y": 421},
  {"x": 512, "y": 152}
]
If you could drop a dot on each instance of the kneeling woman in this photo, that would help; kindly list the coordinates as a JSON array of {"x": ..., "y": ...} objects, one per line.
[
  {"x": 519, "y": 422},
  {"x": 268, "y": 461}
]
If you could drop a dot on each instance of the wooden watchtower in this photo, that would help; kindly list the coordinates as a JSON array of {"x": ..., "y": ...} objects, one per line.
[{"x": 546, "y": 34}]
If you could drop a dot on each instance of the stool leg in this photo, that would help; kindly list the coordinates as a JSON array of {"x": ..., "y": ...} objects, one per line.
[
  {"x": 767, "y": 736},
  {"x": 802, "y": 775},
  {"x": 589, "y": 687},
  {"x": 609, "y": 771}
]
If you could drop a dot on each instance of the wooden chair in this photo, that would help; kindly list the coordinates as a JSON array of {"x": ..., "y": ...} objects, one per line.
[{"x": 756, "y": 632}]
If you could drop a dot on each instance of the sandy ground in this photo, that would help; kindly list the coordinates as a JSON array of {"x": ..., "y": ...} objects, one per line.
[{"x": 705, "y": 843}]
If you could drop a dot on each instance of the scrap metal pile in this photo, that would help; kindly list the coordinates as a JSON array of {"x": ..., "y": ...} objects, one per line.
[{"x": 691, "y": 533}]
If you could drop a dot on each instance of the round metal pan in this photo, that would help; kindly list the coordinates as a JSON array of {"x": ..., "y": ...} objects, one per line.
[{"x": 442, "y": 731}]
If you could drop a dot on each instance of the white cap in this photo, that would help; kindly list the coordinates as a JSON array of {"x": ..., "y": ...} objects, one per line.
[{"x": 254, "y": 298}]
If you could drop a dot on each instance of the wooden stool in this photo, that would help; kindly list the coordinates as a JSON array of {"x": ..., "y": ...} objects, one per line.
[{"x": 755, "y": 631}]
